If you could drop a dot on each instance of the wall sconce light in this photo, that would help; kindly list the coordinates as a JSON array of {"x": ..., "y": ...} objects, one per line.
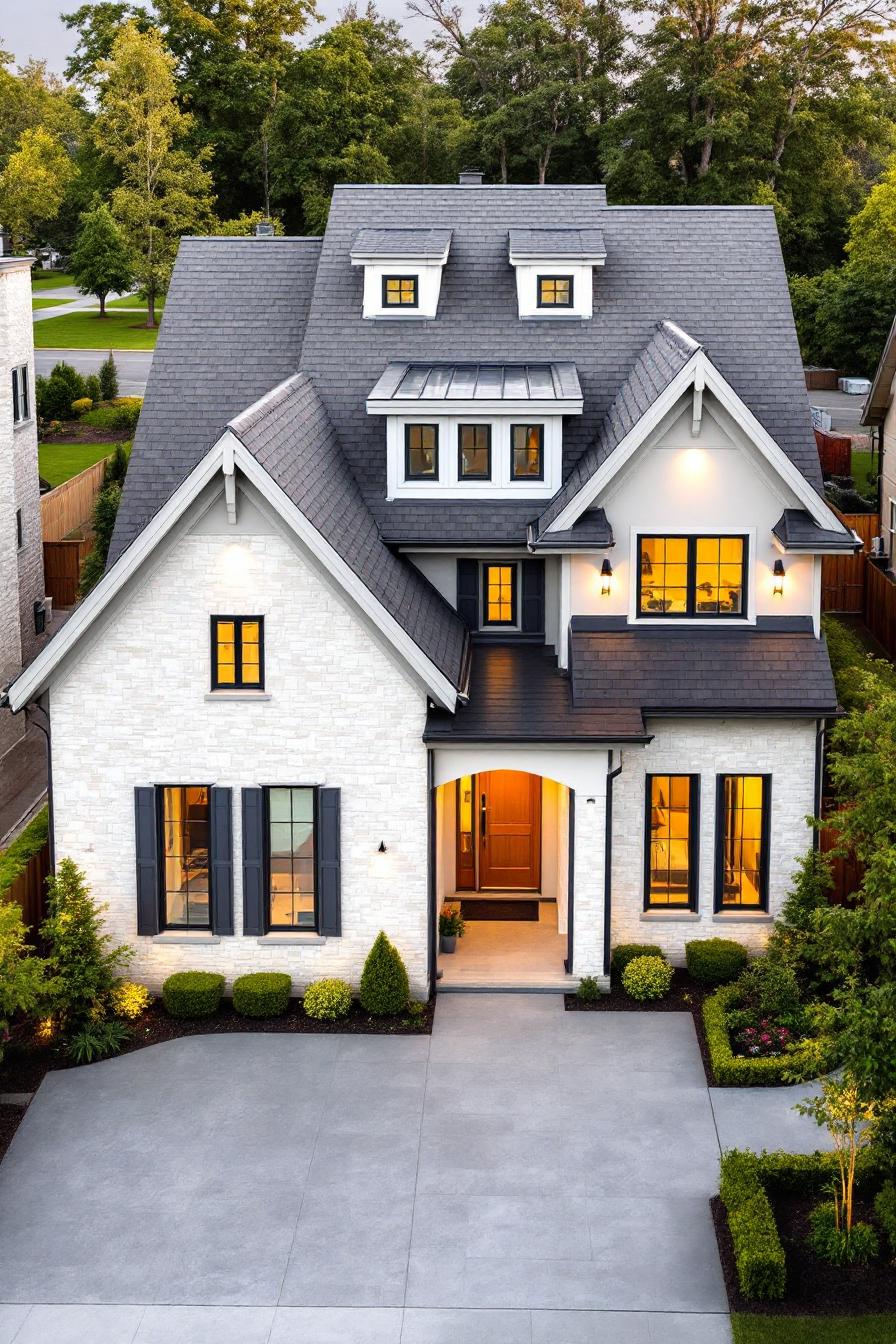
[
  {"x": 606, "y": 575},
  {"x": 381, "y": 848},
  {"x": 779, "y": 572}
]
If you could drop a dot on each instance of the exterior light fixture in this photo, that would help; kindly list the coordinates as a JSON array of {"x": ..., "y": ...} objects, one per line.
[
  {"x": 606, "y": 574},
  {"x": 779, "y": 572},
  {"x": 381, "y": 849}
]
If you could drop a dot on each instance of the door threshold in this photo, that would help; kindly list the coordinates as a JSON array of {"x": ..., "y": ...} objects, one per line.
[{"x": 500, "y": 894}]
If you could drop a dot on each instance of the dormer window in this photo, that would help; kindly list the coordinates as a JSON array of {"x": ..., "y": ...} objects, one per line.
[
  {"x": 474, "y": 452},
  {"x": 402, "y": 271},
  {"x": 399, "y": 291},
  {"x": 527, "y": 449},
  {"x": 421, "y": 452},
  {"x": 555, "y": 271},
  {"x": 555, "y": 291}
]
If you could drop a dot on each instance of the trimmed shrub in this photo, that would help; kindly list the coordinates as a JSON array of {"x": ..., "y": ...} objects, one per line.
[
  {"x": 262, "y": 994},
  {"x": 126, "y": 413},
  {"x": 626, "y": 952},
  {"x": 384, "y": 981},
  {"x": 327, "y": 1000},
  {"x": 769, "y": 989},
  {"x": 805, "y": 1060},
  {"x": 885, "y": 1210},
  {"x": 588, "y": 990},
  {"x": 647, "y": 978},
  {"x": 715, "y": 961},
  {"x": 128, "y": 999},
  {"x": 92, "y": 388},
  {"x": 758, "y": 1253},
  {"x": 83, "y": 964},
  {"x": 834, "y": 1244},
  {"x": 109, "y": 378},
  {"x": 193, "y": 993},
  {"x": 81, "y": 405}
]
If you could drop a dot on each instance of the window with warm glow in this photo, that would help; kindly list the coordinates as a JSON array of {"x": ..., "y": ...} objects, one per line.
[
  {"x": 237, "y": 653},
  {"x": 555, "y": 291},
  {"x": 527, "y": 452},
  {"x": 499, "y": 594},
  {"x": 474, "y": 452},
  {"x": 185, "y": 867},
  {"x": 291, "y": 885},
  {"x": 421, "y": 452},
  {"x": 742, "y": 841},
  {"x": 692, "y": 576},
  {"x": 671, "y": 840},
  {"x": 399, "y": 291}
]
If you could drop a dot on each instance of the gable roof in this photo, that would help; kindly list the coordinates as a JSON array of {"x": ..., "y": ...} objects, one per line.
[{"x": 877, "y": 403}]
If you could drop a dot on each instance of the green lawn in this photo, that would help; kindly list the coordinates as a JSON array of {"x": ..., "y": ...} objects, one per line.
[
  {"x": 47, "y": 303},
  {"x": 50, "y": 279},
  {"x": 135, "y": 301},
  {"x": 866, "y": 483},
  {"x": 58, "y": 462},
  {"x": 814, "y": 1329},
  {"x": 86, "y": 331}
]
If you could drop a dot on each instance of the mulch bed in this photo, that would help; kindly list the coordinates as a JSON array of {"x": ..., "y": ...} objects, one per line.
[
  {"x": 86, "y": 434},
  {"x": 814, "y": 1288},
  {"x": 10, "y": 1116}
]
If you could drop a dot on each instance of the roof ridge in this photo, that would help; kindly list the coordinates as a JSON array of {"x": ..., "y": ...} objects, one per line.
[{"x": 267, "y": 401}]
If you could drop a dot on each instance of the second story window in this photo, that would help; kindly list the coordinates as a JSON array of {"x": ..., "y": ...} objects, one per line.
[
  {"x": 692, "y": 576},
  {"x": 527, "y": 452},
  {"x": 399, "y": 291},
  {"x": 474, "y": 452},
  {"x": 498, "y": 595},
  {"x": 421, "y": 452},
  {"x": 237, "y": 653},
  {"x": 21, "y": 408},
  {"x": 555, "y": 291}
]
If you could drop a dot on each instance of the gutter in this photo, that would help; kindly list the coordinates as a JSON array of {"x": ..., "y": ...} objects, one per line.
[
  {"x": 820, "y": 731},
  {"x": 608, "y": 860}
]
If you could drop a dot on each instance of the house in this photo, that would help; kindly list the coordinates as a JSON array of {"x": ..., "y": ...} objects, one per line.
[
  {"x": 879, "y": 414},
  {"x": 473, "y": 548},
  {"x": 22, "y": 611}
]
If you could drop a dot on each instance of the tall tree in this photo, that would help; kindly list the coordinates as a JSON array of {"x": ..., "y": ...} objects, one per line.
[
  {"x": 33, "y": 185},
  {"x": 164, "y": 190},
  {"x": 101, "y": 260}
]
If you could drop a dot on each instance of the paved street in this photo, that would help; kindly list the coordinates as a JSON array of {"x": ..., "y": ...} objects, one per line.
[{"x": 133, "y": 365}]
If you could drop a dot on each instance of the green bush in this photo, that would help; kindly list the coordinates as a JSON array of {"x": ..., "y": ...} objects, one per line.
[
  {"x": 80, "y": 405},
  {"x": 758, "y": 1253},
  {"x": 92, "y": 388},
  {"x": 193, "y": 993},
  {"x": 82, "y": 964},
  {"x": 326, "y": 1000},
  {"x": 15, "y": 859},
  {"x": 262, "y": 994},
  {"x": 96, "y": 1040},
  {"x": 384, "y": 981},
  {"x": 797, "y": 939},
  {"x": 54, "y": 395},
  {"x": 588, "y": 990},
  {"x": 117, "y": 465},
  {"x": 109, "y": 378},
  {"x": 647, "y": 978},
  {"x": 105, "y": 511},
  {"x": 835, "y": 1244},
  {"x": 766, "y": 989},
  {"x": 885, "y": 1209},
  {"x": 850, "y": 660},
  {"x": 626, "y": 952},
  {"x": 730, "y": 1070},
  {"x": 715, "y": 961},
  {"x": 126, "y": 414},
  {"x": 21, "y": 975}
]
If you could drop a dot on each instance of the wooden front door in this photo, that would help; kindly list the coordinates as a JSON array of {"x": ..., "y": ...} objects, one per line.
[{"x": 508, "y": 820}]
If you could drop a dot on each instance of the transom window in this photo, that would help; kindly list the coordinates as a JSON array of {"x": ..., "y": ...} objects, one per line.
[
  {"x": 499, "y": 583},
  {"x": 421, "y": 452},
  {"x": 692, "y": 576},
  {"x": 474, "y": 452},
  {"x": 555, "y": 291},
  {"x": 399, "y": 291},
  {"x": 185, "y": 867},
  {"x": 291, "y": 858},
  {"x": 742, "y": 825},
  {"x": 21, "y": 408},
  {"x": 237, "y": 653},
  {"x": 527, "y": 452},
  {"x": 671, "y": 841}
]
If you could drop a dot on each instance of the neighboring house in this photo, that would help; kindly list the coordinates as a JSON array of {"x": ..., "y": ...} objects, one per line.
[
  {"x": 879, "y": 413},
  {"x": 21, "y": 551},
  {"x": 474, "y": 547}
]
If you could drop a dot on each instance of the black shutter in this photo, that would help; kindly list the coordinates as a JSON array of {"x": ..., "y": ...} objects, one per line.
[
  {"x": 221, "y": 854},
  {"x": 329, "y": 896},
  {"x": 468, "y": 593},
  {"x": 533, "y": 597},
  {"x": 253, "y": 861},
  {"x": 147, "y": 836}
]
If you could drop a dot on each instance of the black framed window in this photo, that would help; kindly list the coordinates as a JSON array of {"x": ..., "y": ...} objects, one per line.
[
  {"x": 400, "y": 291},
  {"x": 21, "y": 407},
  {"x": 527, "y": 452},
  {"x": 421, "y": 452},
  {"x": 291, "y": 824},
  {"x": 671, "y": 848},
  {"x": 20, "y": 530},
  {"x": 474, "y": 452},
  {"x": 742, "y": 841},
  {"x": 686, "y": 576},
  {"x": 499, "y": 594},
  {"x": 183, "y": 812},
  {"x": 237, "y": 653},
  {"x": 555, "y": 291}
]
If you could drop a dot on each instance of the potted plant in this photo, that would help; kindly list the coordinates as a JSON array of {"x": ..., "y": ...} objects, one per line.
[{"x": 451, "y": 927}]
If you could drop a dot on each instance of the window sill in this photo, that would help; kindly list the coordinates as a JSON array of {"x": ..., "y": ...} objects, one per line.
[
  {"x": 743, "y": 917},
  {"x": 650, "y": 915},
  {"x": 238, "y": 695},
  {"x": 178, "y": 936},
  {"x": 24, "y": 424},
  {"x": 292, "y": 940}
]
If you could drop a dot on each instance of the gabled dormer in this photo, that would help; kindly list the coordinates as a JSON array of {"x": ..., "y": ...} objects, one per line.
[
  {"x": 402, "y": 271},
  {"x": 555, "y": 271}
]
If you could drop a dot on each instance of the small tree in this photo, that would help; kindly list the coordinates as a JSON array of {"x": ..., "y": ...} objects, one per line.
[
  {"x": 851, "y": 1120},
  {"x": 82, "y": 963},
  {"x": 21, "y": 975},
  {"x": 101, "y": 262},
  {"x": 109, "y": 378},
  {"x": 797, "y": 939},
  {"x": 105, "y": 511},
  {"x": 384, "y": 980}
]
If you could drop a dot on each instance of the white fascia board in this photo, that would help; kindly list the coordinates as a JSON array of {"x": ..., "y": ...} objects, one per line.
[
  {"x": 518, "y": 258},
  {"x": 400, "y": 259},
  {"x": 421, "y": 410},
  {"x": 36, "y": 676},
  {"x": 435, "y": 681}
]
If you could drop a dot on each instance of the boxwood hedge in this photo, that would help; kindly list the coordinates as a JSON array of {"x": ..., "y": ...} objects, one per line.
[
  {"x": 193, "y": 993},
  {"x": 262, "y": 994},
  {"x": 731, "y": 1070}
]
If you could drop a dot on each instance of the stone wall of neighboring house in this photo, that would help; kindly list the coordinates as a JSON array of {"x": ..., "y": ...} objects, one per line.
[
  {"x": 785, "y": 749},
  {"x": 134, "y": 708}
]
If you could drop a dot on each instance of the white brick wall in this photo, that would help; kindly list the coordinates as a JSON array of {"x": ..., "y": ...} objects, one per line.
[
  {"x": 132, "y": 710},
  {"x": 785, "y": 749}
]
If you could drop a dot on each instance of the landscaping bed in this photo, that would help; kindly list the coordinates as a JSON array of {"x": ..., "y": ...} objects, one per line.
[
  {"x": 10, "y": 1119},
  {"x": 814, "y": 1329}
]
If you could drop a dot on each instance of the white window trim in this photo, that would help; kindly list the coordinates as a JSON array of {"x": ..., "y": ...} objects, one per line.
[
  {"x": 527, "y": 273},
  {"x": 448, "y": 484},
  {"x": 891, "y": 529},
  {"x": 714, "y": 621},
  {"x": 429, "y": 283},
  {"x": 496, "y": 629}
]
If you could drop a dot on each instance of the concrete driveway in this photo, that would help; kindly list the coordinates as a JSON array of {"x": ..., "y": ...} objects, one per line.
[{"x": 524, "y": 1176}]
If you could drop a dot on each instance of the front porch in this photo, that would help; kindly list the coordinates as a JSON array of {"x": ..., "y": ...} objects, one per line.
[{"x": 508, "y": 953}]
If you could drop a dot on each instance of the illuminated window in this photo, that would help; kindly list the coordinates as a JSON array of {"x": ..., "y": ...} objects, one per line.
[
  {"x": 237, "y": 653},
  {"x": 185, "y": 869},
  {"x": 399, "y": 291},
  {"x": 671, "y": 841},
  {"x": 474, "y": 452},
  {"x": 291, "y": 885},
  {"x": 421, "y": 452},
  {"x": 555, "y": 291},
  {"x": 499, "y": 594},
  {"x": 692, "y": 576},
  {"x": 527, "y": 452},
  {"x": 742, "y": 825}
]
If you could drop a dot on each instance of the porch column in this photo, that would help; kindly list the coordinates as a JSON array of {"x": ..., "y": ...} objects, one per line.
[{"x": 589, "y": 838}]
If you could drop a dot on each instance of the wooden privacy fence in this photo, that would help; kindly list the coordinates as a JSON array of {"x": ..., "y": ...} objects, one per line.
[
  {"x": 62, "y": 567},
  {"x": 844, "y": 577},
  {"x": 834, "y": 453},
  {"x": 846, "y": 871},
  {"x": 29, "y": 889},
  {"x": 880, "y": 606},
  {"x": 70, "y": 505}
]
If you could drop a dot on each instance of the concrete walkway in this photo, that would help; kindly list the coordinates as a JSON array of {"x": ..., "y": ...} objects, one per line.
[{"x": 524, "y": 1176}]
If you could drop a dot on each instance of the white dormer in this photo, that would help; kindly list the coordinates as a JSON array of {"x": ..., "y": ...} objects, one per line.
[
  {"x": 402, "y": 271},
  {"x": 555, "y": 271}
]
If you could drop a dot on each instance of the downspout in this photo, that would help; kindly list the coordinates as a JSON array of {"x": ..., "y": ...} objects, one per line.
[
  {"x": 43, "y": 705},
  {"x": 608, "y": 858},
  {"x": 570, "y": 881},
  {"x": 431, "y": 871},
  {"x": 820, "y": 730}
]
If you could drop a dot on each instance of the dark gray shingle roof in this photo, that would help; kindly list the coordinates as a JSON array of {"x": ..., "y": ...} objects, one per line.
[
  {"x": 797, "y": 530},
  {"x": 419, "y": 244},
  {"x": 542, "y": 244},
  {"x": 591, "y": 530}
]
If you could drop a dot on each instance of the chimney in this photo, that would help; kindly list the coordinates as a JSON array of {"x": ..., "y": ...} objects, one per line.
[
  {"x": 470, "y": 177},
  {"x": 264, "y": 229}
]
